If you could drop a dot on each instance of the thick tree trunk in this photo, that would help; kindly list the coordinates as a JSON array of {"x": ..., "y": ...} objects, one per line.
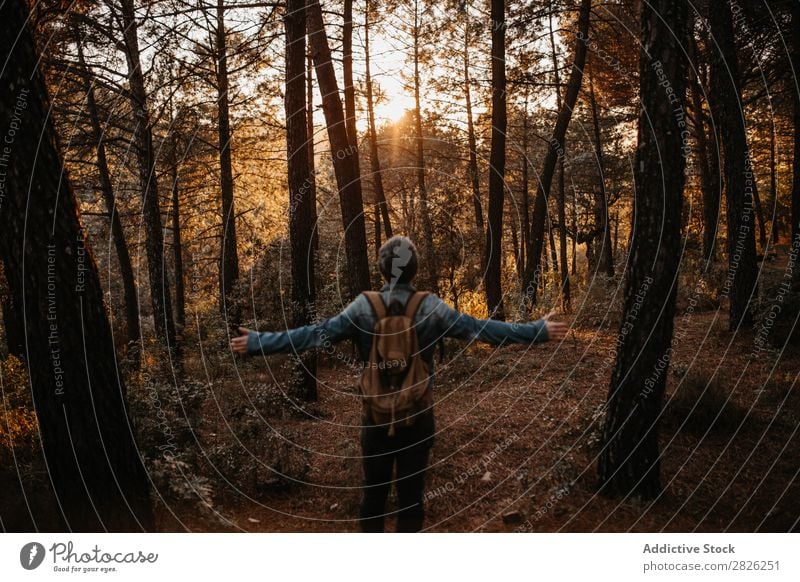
[
  {"x": 554, "y": 151},
  {"x": 471, "y": 143},
  {"x": 347, "y": 178},
  {"x": 92, "y": 459},
  {"x": 381, "y": 208},
  {"x": 301, "y": 215},
  {"x": 229, "y": 255},
  {"x": 13, "y": 320},
  {"x": 143, "y": 141},
  {"x": 497, "y": 165},
  {"x": 629, "y": 462},
  {"x": 605, "y": 261},
  {"x": 740, "y": 184},
  {"x": 117, "y": 232},
  {"x": 431, "y": 266}
]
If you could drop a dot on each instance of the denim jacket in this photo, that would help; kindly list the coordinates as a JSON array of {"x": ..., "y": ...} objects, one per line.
[{"x": 434, "y": 320}]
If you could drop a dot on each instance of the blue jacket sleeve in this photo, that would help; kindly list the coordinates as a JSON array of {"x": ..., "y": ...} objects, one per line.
[
  {"x": 459, "y": 325},
  {"x": 330, "y": 331}
]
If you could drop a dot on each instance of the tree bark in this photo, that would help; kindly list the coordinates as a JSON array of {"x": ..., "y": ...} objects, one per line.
[
  {"x": 229, "y": 255},
  {"x": 497, "y": 165},
  {"x": 88, "y": 443},
  {"x": 301, "y": 214},
  {"x": 347, "y": 179},
  {"x": 107, "y": 189},
  {"x": 629, "y": 463},
  {"x": 740, "y": 184},
  {"x": 143, "y": 140},
  {"x": 554, "y": 151}
]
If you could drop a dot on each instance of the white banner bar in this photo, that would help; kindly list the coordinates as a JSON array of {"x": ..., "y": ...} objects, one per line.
[{"x": 392, "y": 557}]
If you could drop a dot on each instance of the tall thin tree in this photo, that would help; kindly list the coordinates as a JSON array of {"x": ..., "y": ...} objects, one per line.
[
  {"x": 301, "y": 215},
  {"x": 106, "y": 187},
  {"x": 347, "y": 179},
  {"x": 605, "y": 263},
  {"x": 229, "y": 255},
  {"x": 143, "y": 143},
  {"x": 382, "y": 208},
  {"x": 555, "y": 149},
  {"x": 497, "y": 165},
  {"x": 740, "y": 183},
  {"x": 430, "y": 262}
]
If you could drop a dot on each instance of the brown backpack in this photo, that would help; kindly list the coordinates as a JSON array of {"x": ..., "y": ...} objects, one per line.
[{"x": 395, "y": 382}]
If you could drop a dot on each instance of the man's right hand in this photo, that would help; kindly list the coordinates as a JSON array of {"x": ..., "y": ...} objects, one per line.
[
  {"x": 556, "y": 330},
  {"x": 239, "y": 344}
]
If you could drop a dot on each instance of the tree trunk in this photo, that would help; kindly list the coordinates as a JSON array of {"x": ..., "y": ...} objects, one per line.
[
  {"x": 143, "y": 141},
  {"x": 88, "y": 443},
  {"x": 629, "y": 462},
  {"x": 107, "y": 189},
  {"x": 301, "y": 215},
  {"x": 497, "y": 165},
  {"x": 566, "y": 299},
  {"x": 430, "y": 262},
  {"x": 347, "y": 179},
  {"x": 526, "y": 197},
  {"x": 312, "y": 169},
  {"x": 516, "y": 248},
  {"x": 381, "y": 208},
  {"x": 349, "y": 89},
  {"x": 13, "y": 320},
  {"x": 605, "y": 257},
  {"x": 177, "y": 244},
  {"x": 740, "y": 184},
  {"x": 709, "y": 179},
  {"x": 555, "y": 150},
  {"x": 795, "y": 218},
  {"x": 229, "y": 257},
  {"x": 471, "y": 143},
  {"x": 773, "y": 184}
]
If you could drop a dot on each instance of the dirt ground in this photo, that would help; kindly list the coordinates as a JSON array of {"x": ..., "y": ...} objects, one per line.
[{"x": 518, "y": 436}]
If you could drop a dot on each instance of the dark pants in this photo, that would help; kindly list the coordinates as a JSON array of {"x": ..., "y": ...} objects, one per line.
[{"x": 409, "y": 449}]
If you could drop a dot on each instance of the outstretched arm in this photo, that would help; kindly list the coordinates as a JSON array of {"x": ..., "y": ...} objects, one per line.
[
  {"x": 462, "y": 326},
  {"x": 335, "y": 329}
]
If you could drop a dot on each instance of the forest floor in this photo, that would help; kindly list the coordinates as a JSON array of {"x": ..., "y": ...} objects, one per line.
[
  {"x": 516, "y": 449},
  {"x": 518, "y": 438}
]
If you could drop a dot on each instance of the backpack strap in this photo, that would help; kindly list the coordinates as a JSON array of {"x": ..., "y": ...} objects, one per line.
[
  {"x": 414, "y": 302},
  {"x": 376, "y": 301}
]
